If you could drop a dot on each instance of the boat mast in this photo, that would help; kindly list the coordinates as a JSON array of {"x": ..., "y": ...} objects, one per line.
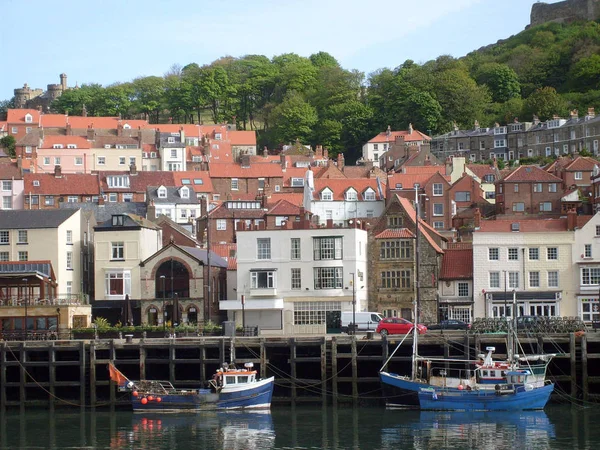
[{"x": 417, "y": 286}]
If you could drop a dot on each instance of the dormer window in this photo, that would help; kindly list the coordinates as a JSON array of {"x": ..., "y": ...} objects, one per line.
[
  {"x": 218, "y": 136},
  {"x": 127, "y": 127},
  {"x": 71, "y": 146},
  {"x": 118, "y": 221},
  {"x": 36, "y": 182},
  {"x": 117, "y": 181},
  {"x": 171, "y": 140},
  {"x": 351, "y": 195},
  {"x": 327, "y": 195},
  {"x": 184, "y": 192},
  {"x": 28, "y": 118},
  {"x": 162, "y": 192},
  {"x": 57, "y": 146},
  {"x": 369, "y": 195}
]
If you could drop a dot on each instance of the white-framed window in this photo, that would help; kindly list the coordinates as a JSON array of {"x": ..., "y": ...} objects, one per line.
[
  {"x": 438, "y": 209},
  {"x": 463, "y": 289},
  {"x": 537, "y": 187},
  {"x": 351, "y": 195},
  {"x": 588, "y": 251},
  {"x": 279, "y": 220},
  {"x": 7, "y": 185},
  {"x": 49, "y": 200},
  {"x": 326, "y": 195},
  {"x": 553, "y": 278},
  {"x": 7, "y": 202},
  {"x": 234, "y": 184},
  {"x": 118, "y": 283},
  {"x": 101, "y": 160},
  {"x": 534, "y": 279},
  {"x": 513, "y": 280},
  {"x": 590, "y": 276},
  {"x": 578, "y": 175},
  {"x": 263, "y": 248},
  {"x": 261, "y": 184},
  {"x": 328, "y": 277},
  {"x": 28, "y": 118},
  {"x": 552, "y": 253},
  {"x": 117, "y": 181},
  {"x": 28, "y": 149},
  {"x": 296, "y": 278},
  {"x": 79, "y": 161},
  {"x": 14, "y": 130},
  {"x": 69, "y": 287},
  {"x": 438, "y": 189},
  {"x": 4, "y": 237},
  {"x": 132, "y": 160},
  {"x": 438, "y": 225},
  {"x": 128, "y": 197},
  {"x": 112, "y": 197},
  {"x": 22, "y": 237},
  {"x": 23, "y": 256},
  {"x": 262, "y": 279},
  {"x": 499, "y": 143},
  {"x": 57, "y": 160},
  {"x": 184, "y": 192},
  {"x": 70, "y": 237},
  {"x": 534, "y": 254},
  {"x": 494, "y": 279},
  {"x": 597, "y": 230},
  {"x": 513, "y": 254},
  {"x": 297, "y": 182},
  {"x": 369, "y": 195},
  {"x": 46, "y": 160},
  {"x": 72, "y": 199},
  {"x": 121, "y": 160},
  {"x": 221, "y": 224},
  {"x": 327, "y": 248},
  {"x": 4, "y": 256},
  {"x": 493, "y": 254},
  {"x": 57, "y": 146},
  {"x": 295, "y": 248},
  {"x": 117, "y": 252},
  {"x": 162, "y": 192},
  {"x": 69, "y": 260},
  {"x": 552, "y": 187}
]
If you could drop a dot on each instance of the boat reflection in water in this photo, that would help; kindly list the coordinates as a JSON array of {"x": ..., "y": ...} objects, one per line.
[
  {"x": 482, "y": 430},
  {"x": 217, "y": 429}
]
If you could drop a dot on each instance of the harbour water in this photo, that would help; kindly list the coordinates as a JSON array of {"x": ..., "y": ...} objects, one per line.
[{"x": 303, "y": 427}]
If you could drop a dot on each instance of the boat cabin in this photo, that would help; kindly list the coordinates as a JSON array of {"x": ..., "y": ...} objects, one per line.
[{"x": 230, "y": 375}]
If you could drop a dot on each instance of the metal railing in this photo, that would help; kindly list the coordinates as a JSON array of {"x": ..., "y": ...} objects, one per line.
[{"x": 60, "y": 300}]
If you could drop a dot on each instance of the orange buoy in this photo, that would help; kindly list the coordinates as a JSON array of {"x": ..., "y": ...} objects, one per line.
[
  {"x": 144, "y": 401},
  {"x": 158, "y": 399},
  {"x": 135, "y": 393},
  {"x": 150, "y": 398},
  {"x": 460, "y": 387}
]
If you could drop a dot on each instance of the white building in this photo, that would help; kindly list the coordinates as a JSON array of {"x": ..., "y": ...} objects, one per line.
[
  {"x": 179, "y": 204},
  {"x": 586, "y": 273},
  {"x": 381, "y": 143},
  {"x": 342, "y": 199},
  {"x": 527, "y": 261},
  {"x": 298, "y": 281}
]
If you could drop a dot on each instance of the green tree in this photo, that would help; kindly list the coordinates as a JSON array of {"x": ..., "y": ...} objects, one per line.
[
  {"x": 292, "y": 119},
  {"x": 8, "y": 143},
  {"x": 323, "y": 59},
  {"x": 545, "y": 103},
  {"x": 586, "y": 73},
  {"x": 501, "y": 80},
  {"x": 148, "y": 96}
]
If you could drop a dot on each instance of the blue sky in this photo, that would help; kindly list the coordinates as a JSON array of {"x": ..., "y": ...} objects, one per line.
[{"x": 118, "y": 40}]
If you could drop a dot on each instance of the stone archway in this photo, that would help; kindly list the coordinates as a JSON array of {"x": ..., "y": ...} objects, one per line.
[{"x": 172, "y": 278}]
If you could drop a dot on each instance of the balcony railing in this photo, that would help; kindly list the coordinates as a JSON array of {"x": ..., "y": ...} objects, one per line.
[{"x": 60, "y": 300}]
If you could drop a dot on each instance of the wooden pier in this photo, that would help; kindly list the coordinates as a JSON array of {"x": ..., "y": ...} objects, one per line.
[{"x": 328, "y": 369}]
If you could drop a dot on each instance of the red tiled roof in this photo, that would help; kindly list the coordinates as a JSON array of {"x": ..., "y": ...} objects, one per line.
[
  {"x": 139, "y": 182},
  {"x": 224, "y": 250},
  {"x": 294, "y": 199},
  {"x": 231, "y": 263},
  {"x": 582, "y": 163},
  {"x": 481, "y": 170},
  {"x": 242, "y": 137},
  {"x": 68, "y": 184},
  {"x": 396, "y": 233},
  {"x": 426, "y": 229},
  {"x": 221, "y": 155},
  {"x": 192, "y": 175},
  {"x": 284, "y": 208},
  {"x": 292, "y": 172},
  {"x": 15, "y": 116},
  {"x": 415, "y": 136},
  {"x": 339, "y": 186},
  {"x": 457, "y": 264},
  {"x": 9, "y": 170},
  {"x": 53, "y": 120},
  {"x": 234, "y": 170},
  {"x": 531, "y": 173},
  {"x": 459, "y": 245},
  {"x": 408, "y": 181},
  {"x": 423, "y": 169},
  {"x": 79, "y": 141}
]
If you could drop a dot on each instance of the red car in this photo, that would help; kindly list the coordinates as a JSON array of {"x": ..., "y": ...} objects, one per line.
[{"x": 397, "y": 325}]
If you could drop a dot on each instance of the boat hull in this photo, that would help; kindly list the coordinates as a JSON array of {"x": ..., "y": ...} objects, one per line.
[
  {"x": 255, "y": 395},
  {"x": 402, "y": 392}
]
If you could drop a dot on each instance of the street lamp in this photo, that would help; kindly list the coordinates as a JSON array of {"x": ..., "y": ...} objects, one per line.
[
  {"x": 353, "y": 303},
  {"x": 162, "y": 277},
  {"x": 26, "y": 302}
]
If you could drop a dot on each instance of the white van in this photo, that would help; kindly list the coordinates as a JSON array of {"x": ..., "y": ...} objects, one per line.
[{"x": 365, "y": 320}]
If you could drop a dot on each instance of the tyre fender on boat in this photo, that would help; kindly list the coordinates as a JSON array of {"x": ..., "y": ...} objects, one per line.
[{"x": 528, "y": 387}]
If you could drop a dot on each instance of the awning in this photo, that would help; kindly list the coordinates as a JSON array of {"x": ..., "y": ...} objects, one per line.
[{"x": 251, "y": 305}]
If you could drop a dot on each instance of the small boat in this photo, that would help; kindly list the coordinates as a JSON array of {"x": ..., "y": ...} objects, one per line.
[{"x": 230, "y": 388}]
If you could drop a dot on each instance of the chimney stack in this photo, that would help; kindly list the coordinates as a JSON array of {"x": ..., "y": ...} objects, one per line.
[
  {"x": 83, "y": 110},
  {"x": 571, "y": 219},
  {"x": 477, "y": 218},
  {"x": 340, "y": 161},
  {"x": 283, "y": 161},
  {"x": 57, "y": 172},
  {"x": 410, "y": 128},
  {"x": 591, "y": 113},
  {"x": 119, "y": 129},
  {"x": 91, "y": 134},
  {"x": 68, "y": 130},
  {"x": 132, "y": 170}
]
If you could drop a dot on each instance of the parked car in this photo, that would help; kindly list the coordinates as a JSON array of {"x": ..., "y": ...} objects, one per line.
[
  {"x": 397, "y": 325},
  {"x": 450, "y": 324}
]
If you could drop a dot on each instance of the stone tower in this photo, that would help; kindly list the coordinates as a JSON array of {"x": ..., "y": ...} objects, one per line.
[{"x": 565, "y": 11}]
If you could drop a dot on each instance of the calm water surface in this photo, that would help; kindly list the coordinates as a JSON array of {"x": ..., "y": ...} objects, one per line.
[{"x": 303, "y": 428}]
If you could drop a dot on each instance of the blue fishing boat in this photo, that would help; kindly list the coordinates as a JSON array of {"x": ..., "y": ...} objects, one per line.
[
  {"x": 517, "y": 384},
  {"x": 230, "y": 388}
]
